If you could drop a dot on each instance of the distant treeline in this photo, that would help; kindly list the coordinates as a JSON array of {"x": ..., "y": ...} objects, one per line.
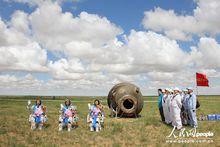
[
  {"x": 81, "y": 98},
  {"x": 87, "y": 98}
]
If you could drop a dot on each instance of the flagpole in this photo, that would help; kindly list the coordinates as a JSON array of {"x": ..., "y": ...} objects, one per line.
[{"x": 197, "y": 93}]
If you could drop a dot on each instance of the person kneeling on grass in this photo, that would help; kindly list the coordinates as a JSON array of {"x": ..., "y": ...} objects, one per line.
[
  {"x": 68, "y": 117},
  {"x": 38, "y": 114},
  {"x": 95, "y": 117}
]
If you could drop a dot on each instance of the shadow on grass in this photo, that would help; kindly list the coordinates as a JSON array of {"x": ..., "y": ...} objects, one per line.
[{"x": 47, "y": 125}]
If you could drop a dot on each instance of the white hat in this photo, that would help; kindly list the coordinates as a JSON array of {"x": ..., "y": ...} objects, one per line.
[
  {"x": 189, "y": 88},
  {"x": 170, "y": 90},
  {"x": 184, "y": 90},
  {"x": 177, "y": 89},
  {"x": 167, "y": 89}
]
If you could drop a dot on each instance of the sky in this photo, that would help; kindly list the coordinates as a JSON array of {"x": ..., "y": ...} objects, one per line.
[{"x": 85, "y": 47}]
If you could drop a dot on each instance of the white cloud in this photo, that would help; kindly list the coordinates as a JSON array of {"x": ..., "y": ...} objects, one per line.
[
  {"x": 82, "y": 49},
  {"x": 205, "y": 20},
  {"x": 11, "y": 36},
  {"x": 23, "y": 58},
  {"x": 93, "y": 84},
  {"x": 39, "y": 2},
  {"x": 143, "y": 52},
  {"x": 177, "y": 34},
  {"x": 17, "y": 51},
  {"x": 211, "y": 73},
  {"x": 152, "y": 51},
  {"x": 28, "y": 83},
  {"x": 54, "y": 29},
  {"x": 93, "y": 59},
  {"x": 98, "y": 84},
  {"x": 19, "y": 21},
  {"x": 63, "y": 69},
  {"x": 206, "y": 54}
]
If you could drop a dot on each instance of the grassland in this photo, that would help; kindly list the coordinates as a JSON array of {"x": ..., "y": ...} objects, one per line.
[{"x": 147, "y": 130}]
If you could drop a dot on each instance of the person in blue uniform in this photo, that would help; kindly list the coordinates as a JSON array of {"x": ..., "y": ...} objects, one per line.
[{"x": 191, "y": 108}]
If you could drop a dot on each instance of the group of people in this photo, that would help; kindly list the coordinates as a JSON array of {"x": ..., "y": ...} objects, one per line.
[
  {"x": 178, "y": 107},
  {"x": 68, "y": 117}
]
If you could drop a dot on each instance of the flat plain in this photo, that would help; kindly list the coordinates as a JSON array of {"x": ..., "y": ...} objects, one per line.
[{"x": 146, "y": 130}]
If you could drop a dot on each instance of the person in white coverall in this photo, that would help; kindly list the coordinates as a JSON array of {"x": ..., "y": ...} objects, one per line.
[
  {"x": 176, "y": 106},
  {"x": 166, "y": 106},
  {"x": 184, "y": 112}
]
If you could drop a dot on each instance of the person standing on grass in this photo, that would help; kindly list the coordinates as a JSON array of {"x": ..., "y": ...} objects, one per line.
[
  {"x": 160, "y": 106},
  {"x": 191, "y": 108},
  {"x": 169, "y": 104},
  {"x": 184, "y": 113},
  {"x": 166, "y": 107},
  {"x": 176, "y": 106}
]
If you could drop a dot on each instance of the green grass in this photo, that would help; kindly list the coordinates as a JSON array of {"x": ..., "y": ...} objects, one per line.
[{"x": 147, "y": 130}]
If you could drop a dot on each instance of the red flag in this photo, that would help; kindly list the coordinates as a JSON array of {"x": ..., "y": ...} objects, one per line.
[{"x": 202, "y": 80}]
